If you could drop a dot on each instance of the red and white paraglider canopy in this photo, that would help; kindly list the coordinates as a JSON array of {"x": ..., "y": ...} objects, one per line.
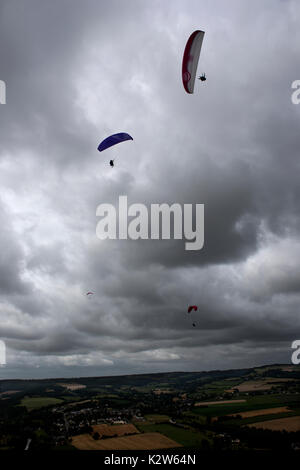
[{"x": 190, "y": 60}]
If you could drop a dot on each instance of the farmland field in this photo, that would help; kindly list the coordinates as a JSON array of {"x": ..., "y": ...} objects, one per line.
[
  {"x": 147, "y": 441},
  {"x": 39, "y": 402},
  {"x": 156, "y": 418},
  {"x": 71, "y": 386},
  {"x": 284, "y": 424},
  {"x": 9, "y": 392},
  {"x": 267, "y": 411},
  {"x": 252, "y": 404},
  {"x": 259, "y": 385},
  {"x": 137, "y": 412},
  {"x": 113, "y": 429},
  {"x": 183, "y": 436},
  {"x": 221, "y": 402},
  {"x": 263, "y": 370}
]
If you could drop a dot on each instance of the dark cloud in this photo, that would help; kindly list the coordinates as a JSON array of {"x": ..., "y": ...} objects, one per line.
[{"x": 78, "y": 71}]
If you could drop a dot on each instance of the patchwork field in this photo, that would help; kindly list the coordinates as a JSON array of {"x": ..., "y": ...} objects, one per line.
[
  {"x": 72, "y": 387},
  {"x": 267, "y": 411},
  {"x": 220, "y": 402},
  {"x": 39, "y": 402},
  {"x": 115, "y": 429},
  {"x": 185, "y": 436},
  {"x": 147, "y": 441},
  {"x": 77, "y": 402},
  {"x": 263, "y": 370},
  {"x": 9, "y": 392},
  {"x": 263, "y": 402},
  {"x": 284, "y": 424},
  {"x": 289, "y": 369},
  {"x": 258, "y": 385},
  {"x": 150, "y": 419}
]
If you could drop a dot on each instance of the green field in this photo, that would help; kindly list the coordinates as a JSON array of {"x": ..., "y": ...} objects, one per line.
[
  {"x": 261, "y": 418},
  {"x": 104, "y": 396},
  {"x": 39, "y": 402},
  {"x": 263, "y": 370},
  {"x": 142, "y": 388},
  {"x": 252, "y": 403},
  {"x": 70, "y": 399},
  {"x": 221, "y": 384},
  {"x": 156, "y": 418},
  {"x": 185, "y": 437}
]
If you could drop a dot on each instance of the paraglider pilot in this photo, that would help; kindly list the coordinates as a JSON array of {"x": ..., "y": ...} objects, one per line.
[
  {"x": 202, "y": 77},
  {"x": 111, "y": 163}
]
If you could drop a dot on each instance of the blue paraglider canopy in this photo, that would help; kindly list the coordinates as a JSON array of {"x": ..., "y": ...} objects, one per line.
[{"x": 113, "y": 140}]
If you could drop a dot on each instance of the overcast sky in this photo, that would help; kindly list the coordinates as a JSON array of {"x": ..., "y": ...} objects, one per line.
[{"x": 77, "y": 71}]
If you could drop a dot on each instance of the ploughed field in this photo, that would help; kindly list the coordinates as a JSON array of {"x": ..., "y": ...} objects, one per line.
[
  {"x": 291, "y": 424},
  {"x": 114, "y": 429},
  {"x": 267, "y": 411},
  {"x": 146, "y": 441}
]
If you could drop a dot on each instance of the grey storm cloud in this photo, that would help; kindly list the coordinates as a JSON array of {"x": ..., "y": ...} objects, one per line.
[{"x": 76, "y": 72}]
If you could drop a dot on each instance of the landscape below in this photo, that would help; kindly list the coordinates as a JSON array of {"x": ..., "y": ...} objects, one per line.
[{"x": 233, "y": 410}]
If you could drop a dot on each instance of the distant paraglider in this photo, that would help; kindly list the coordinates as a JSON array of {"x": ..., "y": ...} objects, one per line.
[
  {"x": 190, "y": 60},
  {"x": 193, "y": 308},
  {"x": 113, "y": 140},
  {"x": 89, "y": 293}
]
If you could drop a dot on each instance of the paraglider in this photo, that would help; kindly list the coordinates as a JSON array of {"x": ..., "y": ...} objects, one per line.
[
  {"x": 193, "y": 308},
  {"x": 89, "y": 293},
  {"x": 190, "y": 60},
  {"x": 113, "y": 140}
]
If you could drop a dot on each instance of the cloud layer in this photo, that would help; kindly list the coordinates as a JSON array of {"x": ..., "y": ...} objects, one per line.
[{"x": 76, "y": 72}]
